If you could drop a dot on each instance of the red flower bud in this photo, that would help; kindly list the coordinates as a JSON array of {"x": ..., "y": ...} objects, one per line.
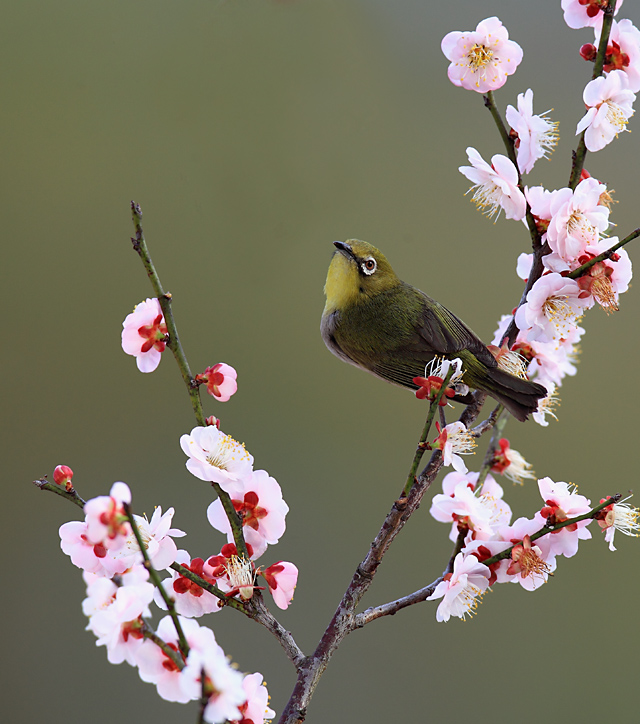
[{"x": 62, "y": 475}]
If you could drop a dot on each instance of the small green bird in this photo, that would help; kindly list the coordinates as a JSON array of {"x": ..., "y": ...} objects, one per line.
[{"x": 375, "y": 321}]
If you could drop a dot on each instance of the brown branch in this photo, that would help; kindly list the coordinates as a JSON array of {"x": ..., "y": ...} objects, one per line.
[{"x": 344, "y": 619}]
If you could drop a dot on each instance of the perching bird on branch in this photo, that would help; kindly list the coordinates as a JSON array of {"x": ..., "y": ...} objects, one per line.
[{"x": 375, "y": 321}]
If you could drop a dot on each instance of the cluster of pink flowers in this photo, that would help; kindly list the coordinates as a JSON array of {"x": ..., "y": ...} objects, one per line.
[
  {"x": 484, "y": 518},
  {"x": 573, "y": 222},
  {"x": 575, "y": 225},
  {"x": 119, "y": 592}
]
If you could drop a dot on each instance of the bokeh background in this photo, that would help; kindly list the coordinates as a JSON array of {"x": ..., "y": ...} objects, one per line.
[{"x": 253, "y": 134}]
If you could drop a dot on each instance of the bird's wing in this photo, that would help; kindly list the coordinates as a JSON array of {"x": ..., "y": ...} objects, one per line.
[
  {"x": 438, "y": 333},
  {"x": 442, "y": 332}
]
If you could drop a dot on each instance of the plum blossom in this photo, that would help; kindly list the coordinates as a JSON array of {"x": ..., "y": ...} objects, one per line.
[
  {"x": 191, "y": 600},
  {"x": 222, "y": 684},
  {"x": 480, "y": 511},
  {"x": 216, "y": 457},
  {"x": 282, "y": 578},
  {"x": 461, "y": 589},
  {"x": 537, "y": 135},
  {"x": 482, "y": 59},
  {"x": 609, "y": 104},
  {"x": 496, "y": 185},
  {"x": 562, "y": 502},
  {"x": 260, "y": 505},
  {"x": 607, "y": 279},
  {"x": 552, "y": 309},
  {"x": 107, "y": 522},
  {"x": 96, "y": 558},
  {"x": 547, "y": 405},
  {"x": 547, "y": 362},
  {"x": 255, "y": 709},
  {"x": 618, "y": 516},
  {"x": 155, "y": 667},
  {"x": 510, "y": 463},
  {"x": 115, "y": 613},
  {"x": 454, "y": 440},
  {"x": 531, "y": 564},
  {"x": 585, "y": 13},
  {"x": 577, "y": 220},
  {"x": 623, "y": 51},
  {"x": 144, "y": 334},
  {"x": 220, "y": 381},
  {"x": 435, "y": 374}
]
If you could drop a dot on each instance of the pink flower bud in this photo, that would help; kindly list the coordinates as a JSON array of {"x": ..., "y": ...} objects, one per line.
[{"x": 62, "y": 476}]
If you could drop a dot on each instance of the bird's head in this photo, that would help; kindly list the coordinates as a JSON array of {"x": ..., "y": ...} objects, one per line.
[{"x": 358, "y": 271}]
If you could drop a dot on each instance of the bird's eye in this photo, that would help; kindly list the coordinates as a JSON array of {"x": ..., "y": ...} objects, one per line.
[{"x": 369, "y": 266}]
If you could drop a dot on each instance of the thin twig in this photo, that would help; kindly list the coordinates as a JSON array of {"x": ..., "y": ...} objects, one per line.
[
  {"x": 157, "y": 582},
  {"x": 605, "y": 255},
  {"x": 140, "y": 247}
]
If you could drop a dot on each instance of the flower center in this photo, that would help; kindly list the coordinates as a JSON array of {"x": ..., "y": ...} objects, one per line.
[
  {"x": 531, "y": 564},
  {"x": 616, "y": 116},
  {"x": 470, "y": 597},
  {"x": 579, "y": 224},
  {"x": 603, "y": 293},
  {"x": 479, "y": 56},
  {"x": 224, "y": 455}
]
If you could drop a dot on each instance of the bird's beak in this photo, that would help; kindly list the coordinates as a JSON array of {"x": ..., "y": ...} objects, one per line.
[{"x": 344, "y": 249}]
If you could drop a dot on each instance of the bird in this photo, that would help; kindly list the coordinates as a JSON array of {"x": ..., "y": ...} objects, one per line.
[{"x": 375, "y": 321}]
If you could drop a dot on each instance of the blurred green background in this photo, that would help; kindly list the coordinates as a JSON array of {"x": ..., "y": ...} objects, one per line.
[{"x": 253, "y": 134}]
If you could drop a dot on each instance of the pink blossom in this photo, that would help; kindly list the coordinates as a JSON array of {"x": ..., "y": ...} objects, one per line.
[
  {"x": 609, "y": 103},
  {"x": 510, "y": 463},
  {"x": 585, "y": 13},
  {"x": 453, "y": 440},
  {"x": 546, "y": 406},
  {"x": 144, "y": 334},
  {"x": 461, "y": 589},
  {"x": 618, "y": 516},
  {"x": 605, "y": 280},
  {"x": 496, "y": 185},
  {"x": 623, "y": 51},
  {"x": 223, "y": 684},
  {"x": 155, "y": 667},
  {"x": 115, "y": 613},
  {"x": 530, "y": 564},
  {"x": 106, "y": 519},
  {"x": 83, "y": 554},
  {"x": 220, "y": 381},
  {"x": 96, "y": 558},
  {"x": 282, "y": 578},
  {"x": 464, "y": 508},
  {"x": 537, "y": 135},
  {"x": 482, "y": 59},
  {"x": 550, "y": 362},
  {"x": 216, "y": 457},
  {"x": 191, "y": 600},
  {"x": 255, "y": 709},
  {"x": 562, "y": 502},
  {"x": 577, "y": 219},
  {"x": 260, "y": 504},
  {"x": 552, "y": 309}
]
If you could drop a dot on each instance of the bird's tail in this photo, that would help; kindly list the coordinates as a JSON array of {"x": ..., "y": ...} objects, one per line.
[{"x": 519, "y": 396}]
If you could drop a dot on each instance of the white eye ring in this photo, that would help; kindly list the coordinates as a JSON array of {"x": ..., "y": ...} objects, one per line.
[{"x": 369, "y": 266}]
